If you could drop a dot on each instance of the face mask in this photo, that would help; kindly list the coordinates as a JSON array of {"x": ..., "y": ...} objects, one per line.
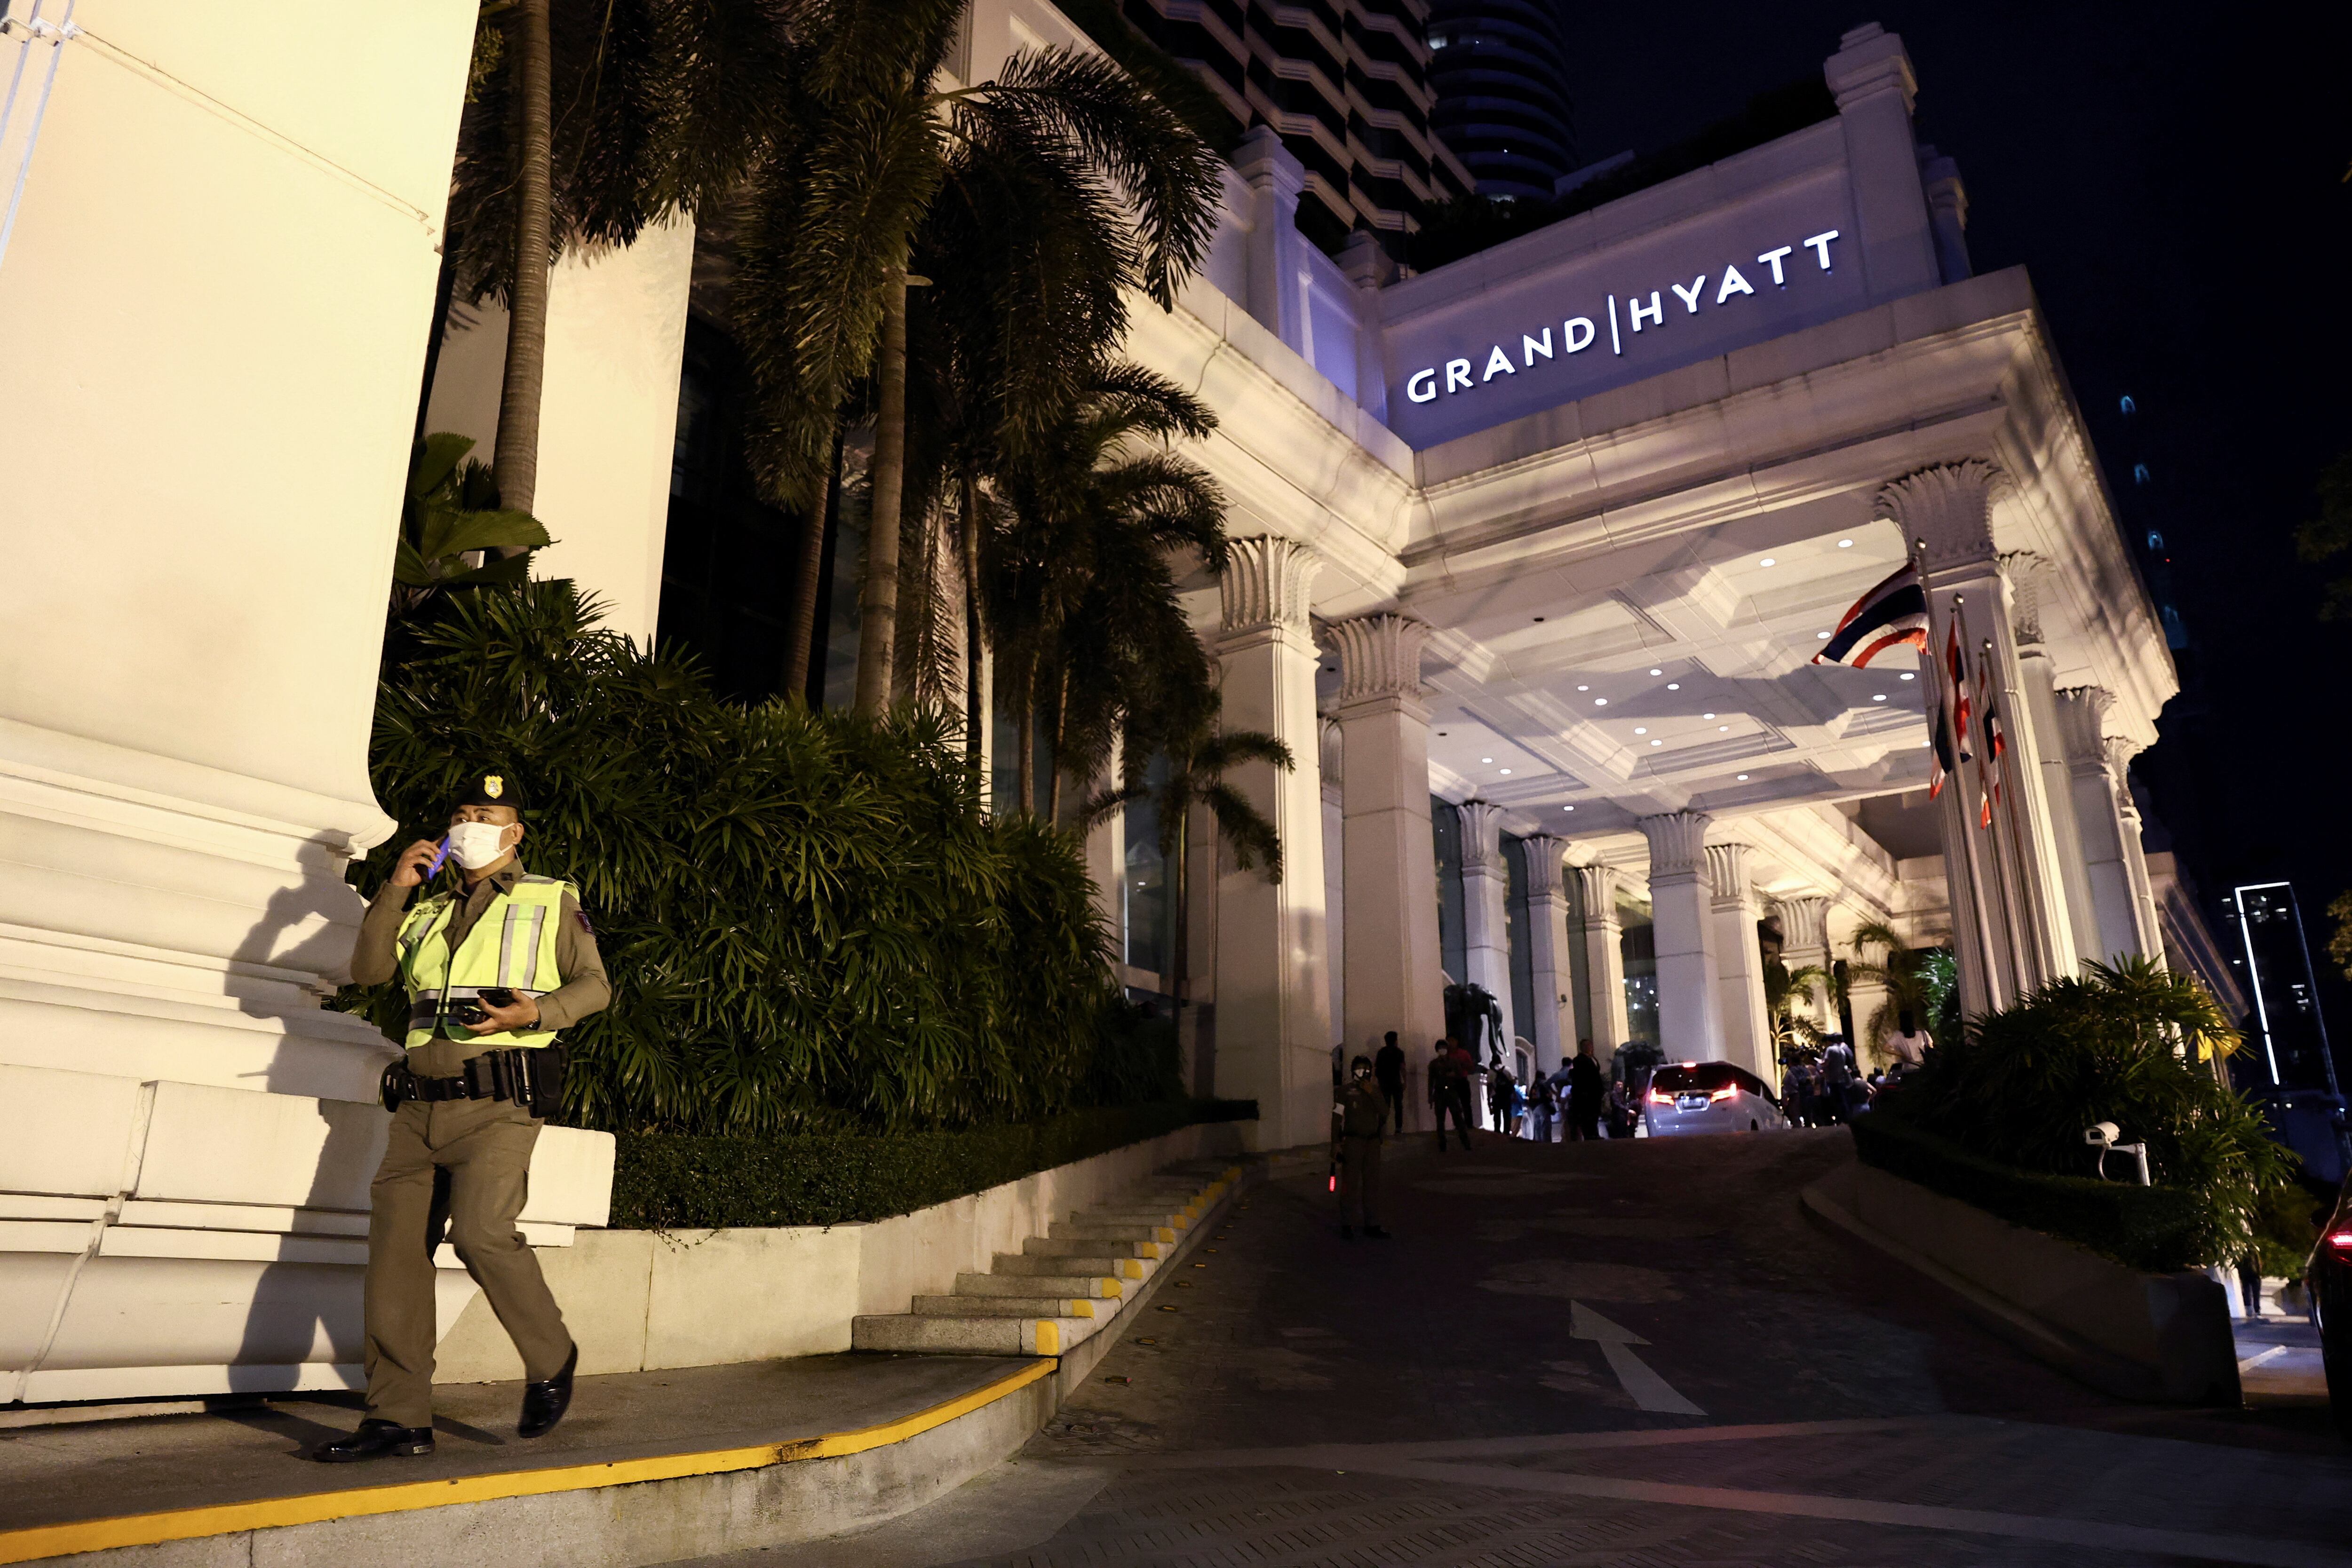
[{"x": 476, "y": 844}]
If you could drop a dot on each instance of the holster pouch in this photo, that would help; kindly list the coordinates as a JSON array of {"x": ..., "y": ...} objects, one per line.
[
  {"x": 530, "y": 1077},
  {"x": 398, "y": 1084}
]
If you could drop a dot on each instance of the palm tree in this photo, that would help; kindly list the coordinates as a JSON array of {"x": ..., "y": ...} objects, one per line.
[
  {"x": 836, "y": 209},
  {"x": 1906, "y": 973},
  {"x": 1197, "y": 755},
  {"x": 1784, "y": 989},
  {"x": 1080, "y": 588},
  {"x": 588, "y": 121}
]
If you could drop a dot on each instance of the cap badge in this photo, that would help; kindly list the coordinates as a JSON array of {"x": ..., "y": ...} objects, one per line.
[{"x": 494, "y": 786}]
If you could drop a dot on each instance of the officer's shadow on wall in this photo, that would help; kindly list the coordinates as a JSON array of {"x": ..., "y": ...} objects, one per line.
[{"x": 305, "y": 1315}]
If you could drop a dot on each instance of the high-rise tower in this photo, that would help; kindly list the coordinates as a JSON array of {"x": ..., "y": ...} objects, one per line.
[
  {"x": 1345, "y": 83},
  {"x": 1499, "y": 70}
]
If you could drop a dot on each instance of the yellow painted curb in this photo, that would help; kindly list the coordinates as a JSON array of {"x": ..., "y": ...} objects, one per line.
[{"x": 273, "y": 1513}]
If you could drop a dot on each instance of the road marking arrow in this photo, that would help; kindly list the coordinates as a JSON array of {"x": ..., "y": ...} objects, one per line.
[{"x": 1648, "y": 1390}]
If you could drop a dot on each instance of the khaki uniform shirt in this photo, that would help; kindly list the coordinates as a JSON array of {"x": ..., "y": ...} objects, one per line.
[
  {"x": 585, "y": 990},
  {"x": 1360, "y": 1112}
]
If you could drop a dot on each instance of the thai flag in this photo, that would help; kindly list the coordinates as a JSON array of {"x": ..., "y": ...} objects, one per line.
[
  {"x": 1956, "y": 672},
  {"x": 1996, "y": 748},
  {"x": 1946, "y": 763},
  {"x": 1893, "y": 614}
]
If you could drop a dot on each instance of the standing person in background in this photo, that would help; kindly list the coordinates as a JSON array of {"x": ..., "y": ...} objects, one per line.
[
  {"x": 1543, "y": 1100},
  {"x": 1449, "y": 1091},
  {"x": 1909, "y": 1044},
  {"x": 1584, "y": 1094},
  {"x": 1388, "y": 1072},
  {"x": 1500, "y": 1088},
  {"x": 1356, "y": 1120}
]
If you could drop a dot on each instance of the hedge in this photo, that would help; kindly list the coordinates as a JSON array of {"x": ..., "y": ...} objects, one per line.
[
  {"x": 669, "y": 1182},
  {"x": 2155, "y": 1228}
]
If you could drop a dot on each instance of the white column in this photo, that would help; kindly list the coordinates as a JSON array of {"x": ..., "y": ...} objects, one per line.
[
  {"x": 1277, "y": 265},
  {"x": 1106, "y": 851},
  {"x": 2012, "y": 929},
  {"x": 2099, "y": 797},
  {"x": 1335, "y": 882},
  {"x": 2039, "y": 678},
  {"x": 1805, "y": 942},
  {"x": 1395, "y": 978},
  {"x": 2147, "y": 924},
  {"x": 187, "y": 684},
  {"x": 1872, "y": 78},
  {"x": 1601, "y": 933},
  {"x": 1681, "y": 915},
  {"x": 1485, "y": 907},
  {"x": 608, "y": 419},
  {"x": 1549, "y": 970},
  {"x": 1272, "y": 1019},
  {"x": 1739, "y": 962}
]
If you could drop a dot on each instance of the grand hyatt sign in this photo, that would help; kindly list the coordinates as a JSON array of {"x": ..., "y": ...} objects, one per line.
[{"x": 1477, "y": 354}]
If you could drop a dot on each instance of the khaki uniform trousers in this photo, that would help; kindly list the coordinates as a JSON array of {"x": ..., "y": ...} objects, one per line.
[
  {"x": 1360, "y": 1181},
  {"x": 481, "y": 1149}
]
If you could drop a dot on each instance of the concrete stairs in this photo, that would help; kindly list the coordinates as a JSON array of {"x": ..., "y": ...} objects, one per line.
[{"x": 1065, "y": 1287}]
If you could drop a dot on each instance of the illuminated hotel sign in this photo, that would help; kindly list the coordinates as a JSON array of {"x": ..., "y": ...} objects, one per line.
[
  {"x": 1578, "y": 333},
  {"x": 1571, "y": 311}
]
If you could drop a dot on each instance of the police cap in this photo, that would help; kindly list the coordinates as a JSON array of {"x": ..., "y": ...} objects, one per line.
[{"x": 490, "y": 788}]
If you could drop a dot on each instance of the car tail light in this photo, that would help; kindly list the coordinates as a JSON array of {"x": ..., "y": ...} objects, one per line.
[
  {"x": 2340, "y": 1241},
  {"x": 1723, "y": 1093},
  {"x": 1660, "y": 1097}
]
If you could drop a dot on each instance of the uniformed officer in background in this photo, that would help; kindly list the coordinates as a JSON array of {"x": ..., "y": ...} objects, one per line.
[
  {"x": 495, "y": 961},
  {"x": 1356, "y": 1122}
]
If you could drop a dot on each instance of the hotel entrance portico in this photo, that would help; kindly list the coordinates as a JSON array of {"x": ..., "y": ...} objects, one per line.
[{"x": 1577, "y": 598}]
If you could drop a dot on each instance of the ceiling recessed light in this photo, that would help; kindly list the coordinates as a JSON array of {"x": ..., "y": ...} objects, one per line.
[
  {"x": 1485, "y": 759},
  {"x": 1720, "y": 727},
  {"x": 1707, "y": 716},
  {"x": 1909, "y": 676},
  {"x": 1568, "y": 807},
  {"x": 1768, "y": 560},
  {"x": 1600, "y": 701},
  {"x": 1845, "y": 544},
  {"x": 1823, "y": 635},
  {"x": 1673, "y": 685},
  {"x": 1506, "y": 770},
  {"x": 1657, "y": 743},
  {"x": 1657, "y": 672},
  {"x": 1879, "y": 698},
  {"x": 1584, "y": 688},
  {"x": 1641, "y": 729},
  {"x": 1743, "y": 778}
]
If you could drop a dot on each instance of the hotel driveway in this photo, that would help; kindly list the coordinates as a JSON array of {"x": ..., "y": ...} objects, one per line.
[{"x": 1603, "y": 1354}]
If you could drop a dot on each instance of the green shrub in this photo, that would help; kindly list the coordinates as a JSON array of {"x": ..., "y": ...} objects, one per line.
[
  {"x": 2134, "y": 1045},
  {"x": 2158, "y": 1229},
  {"x": 667, "y": 1182},
  {"x": 808, "y": 923}
]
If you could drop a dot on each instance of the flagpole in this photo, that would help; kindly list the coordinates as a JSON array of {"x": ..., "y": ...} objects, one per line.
[
  {"x": 2021, "y": 845},
  {"x": 1994, "y": 991}
]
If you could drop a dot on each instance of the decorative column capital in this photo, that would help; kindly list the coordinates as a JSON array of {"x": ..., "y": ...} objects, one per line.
[
  {"x": 1482, "y": 836},
  {"x": 1380, "y": 655},
  {"x": 1677, "y": 843},
  {"x": 1596, "y": 894},
  {"x": 2082, "y": 722},
  {"x": 1948, "y": 510},
  {"x": 1804, "y": 923},
  {"x": 2119, "y": 752},
  {"x": 1543, "y": 853},
  {"x": 1869, "y": 61},
  {"x": 2025, "y": 568},
  {"x": 1727, "y": 868},
  {"x": 1266, "y": 584}
]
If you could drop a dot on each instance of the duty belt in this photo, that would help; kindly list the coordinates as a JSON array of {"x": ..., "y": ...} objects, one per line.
[{"x": 531, "y": 1076}]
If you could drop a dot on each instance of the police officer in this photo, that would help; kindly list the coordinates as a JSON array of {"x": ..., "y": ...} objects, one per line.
[
  {"x": 1356, "y": 1120},
  {"x": 495, "y": 961}
]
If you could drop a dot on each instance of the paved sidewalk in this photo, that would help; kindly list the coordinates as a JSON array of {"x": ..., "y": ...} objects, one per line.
[
  {"x": 53, "y": 1474},
  {"x": 1473, "y": 1393}
]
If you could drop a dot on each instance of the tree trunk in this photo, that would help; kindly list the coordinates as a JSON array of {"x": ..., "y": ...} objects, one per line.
[
  {"x": 1053, "y": 750},
  {"x": 878, "y": 599},
  {"x": 975, "y": 701},
  {"x": 800, "y": 634},
  {"x": 515, "y": 467}
]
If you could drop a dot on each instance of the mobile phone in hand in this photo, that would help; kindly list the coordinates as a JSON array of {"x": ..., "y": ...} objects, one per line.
[{"x": 496, "y": 996}]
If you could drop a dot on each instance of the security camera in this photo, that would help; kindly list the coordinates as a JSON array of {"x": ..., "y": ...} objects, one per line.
[{"x": 2102, "y": 1135}]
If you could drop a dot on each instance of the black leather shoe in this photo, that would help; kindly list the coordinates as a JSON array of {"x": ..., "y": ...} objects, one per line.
[
  {"x": 376, "y": 1439},
  {"x": 543, "y": 1404}
]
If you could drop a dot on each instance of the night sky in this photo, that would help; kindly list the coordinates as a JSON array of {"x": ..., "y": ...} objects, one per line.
[{"x": 2170, "y": 178}]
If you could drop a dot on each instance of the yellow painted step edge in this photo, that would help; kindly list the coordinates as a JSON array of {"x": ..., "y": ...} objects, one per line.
[{"x": 271, "y": 1513}]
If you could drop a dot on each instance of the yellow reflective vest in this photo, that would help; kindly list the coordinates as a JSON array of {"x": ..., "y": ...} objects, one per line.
[{"x": 512, "y": 945}]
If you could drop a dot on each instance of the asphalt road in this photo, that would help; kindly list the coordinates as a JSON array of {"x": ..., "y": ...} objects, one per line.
[{"x": 1634, "y": 1353}]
